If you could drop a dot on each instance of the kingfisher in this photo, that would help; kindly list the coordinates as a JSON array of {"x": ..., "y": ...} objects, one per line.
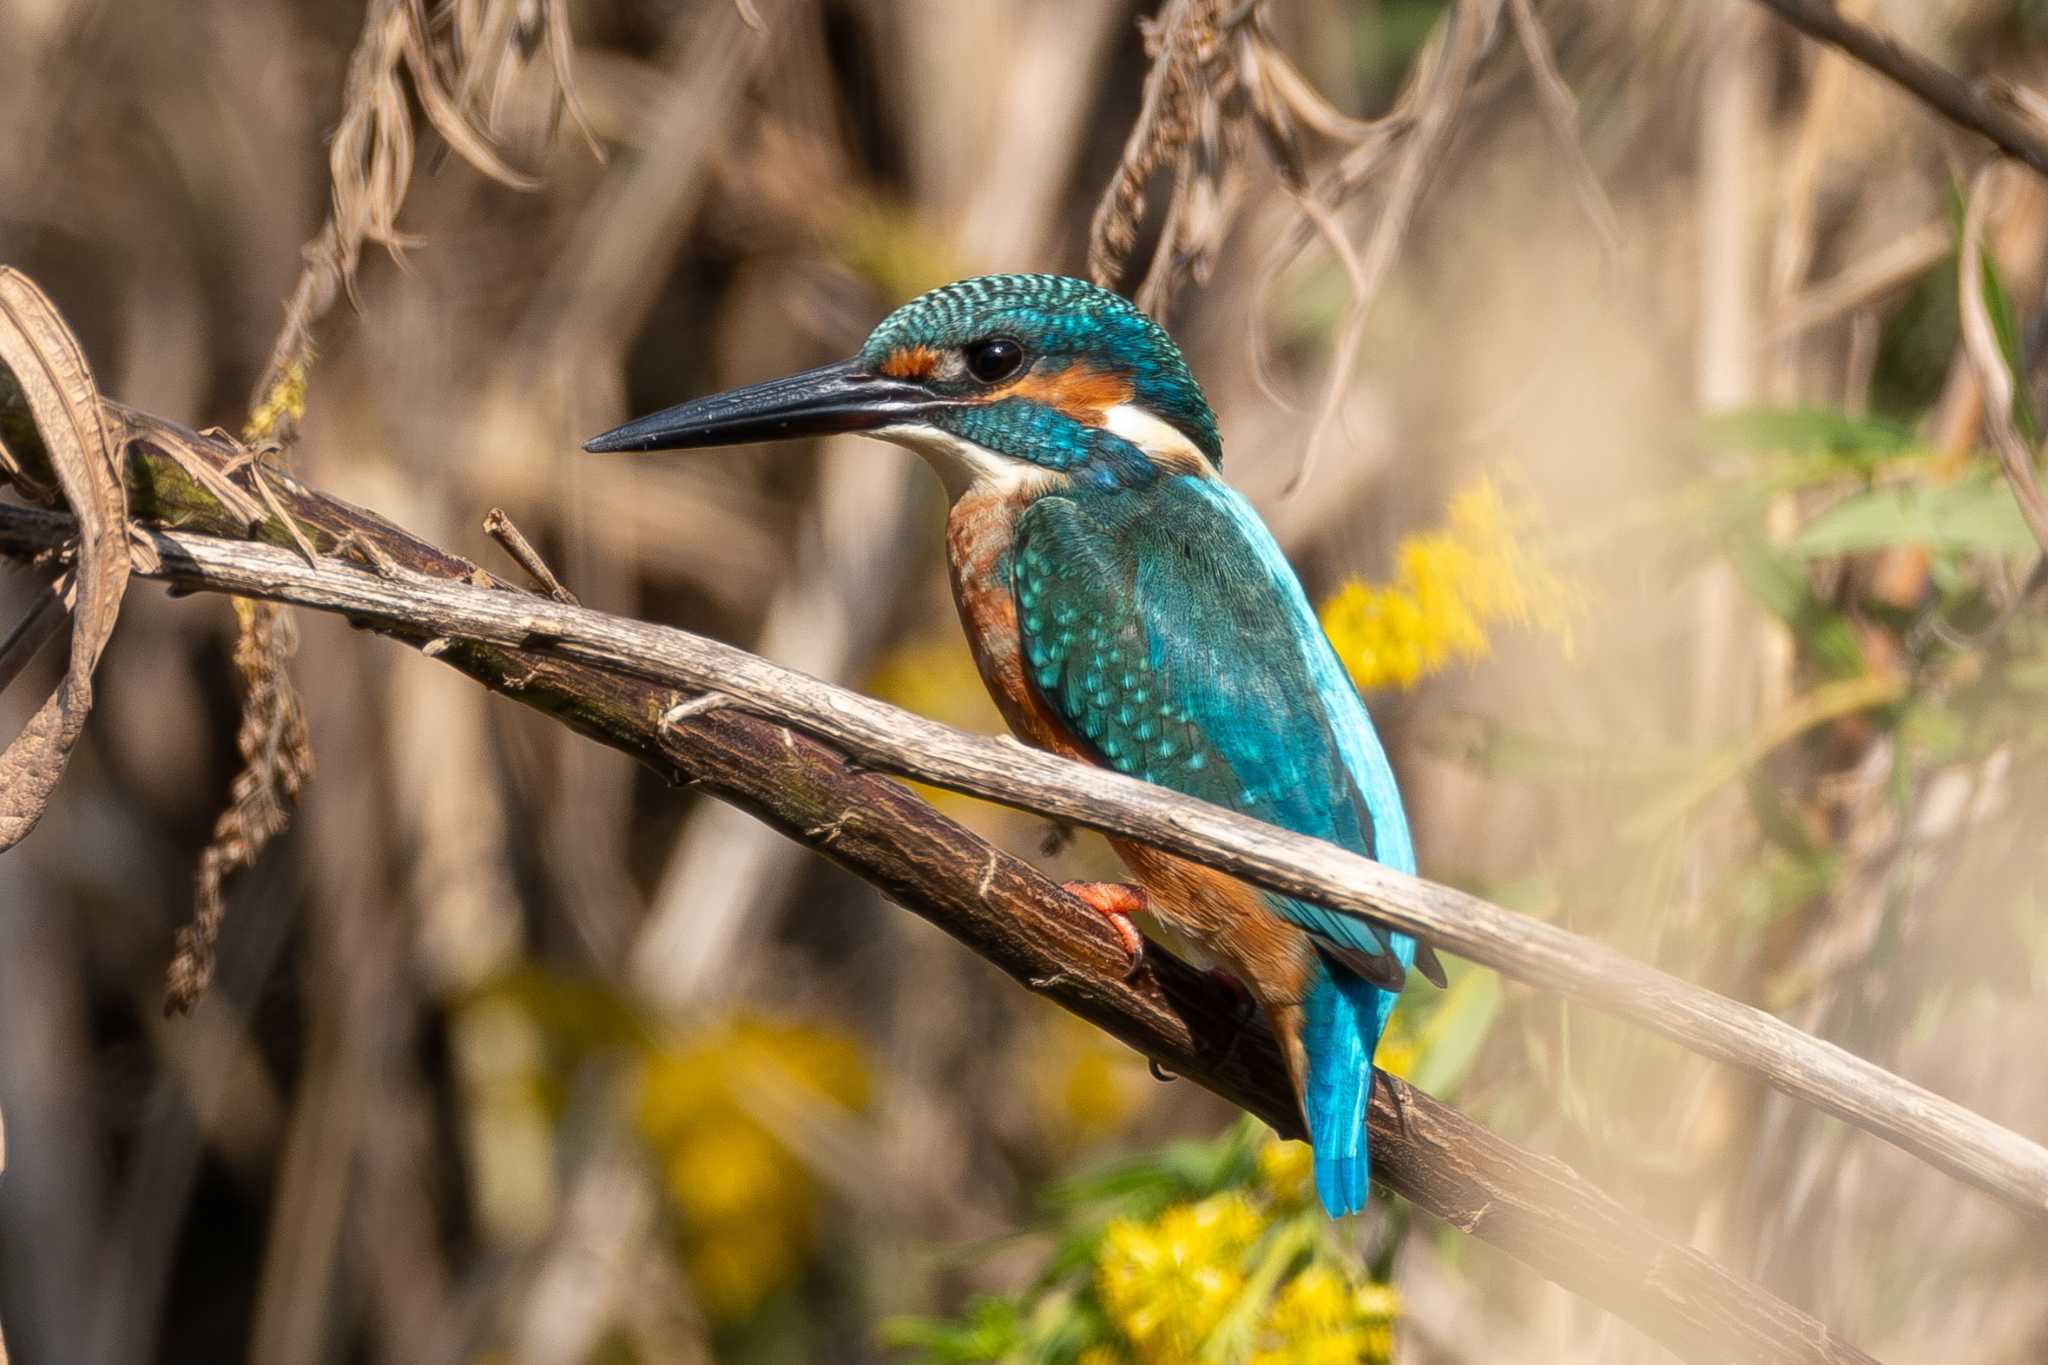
[{"x": 1126, "y": 607}]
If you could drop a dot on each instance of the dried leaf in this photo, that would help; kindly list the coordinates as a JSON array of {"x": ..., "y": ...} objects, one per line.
[
  {"x": 188, "y": 450},
  {"x": 562, "y": 49},
  {"x": 446, "y": 113},
  {"x": 57, "y": 387}
]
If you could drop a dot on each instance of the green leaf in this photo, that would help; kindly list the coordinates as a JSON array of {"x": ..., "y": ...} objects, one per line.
[
  {"x": 1869, "y": 439},
  {"x": 1780, "y": 882},
  {"x": 990, "y": 1331},
  {"x": 1141, "y": 1186},
  {"x": 1778, "y": 582},
  {"x": 1976, "y": 515},
  {"x": 1450, "y": 1041}
]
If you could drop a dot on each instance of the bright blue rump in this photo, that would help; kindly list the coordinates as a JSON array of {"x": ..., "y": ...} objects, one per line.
[{"x": 1166, "y": 630}]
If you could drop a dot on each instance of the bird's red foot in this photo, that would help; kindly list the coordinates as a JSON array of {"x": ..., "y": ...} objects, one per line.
[{"x": 1117, "y": 902}]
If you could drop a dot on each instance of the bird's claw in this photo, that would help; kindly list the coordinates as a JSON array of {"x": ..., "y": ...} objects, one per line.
[{"x": 1117, "y": 902}]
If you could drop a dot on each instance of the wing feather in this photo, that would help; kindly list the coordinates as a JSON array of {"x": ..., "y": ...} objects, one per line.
[{"x": 1173, "y": 649}]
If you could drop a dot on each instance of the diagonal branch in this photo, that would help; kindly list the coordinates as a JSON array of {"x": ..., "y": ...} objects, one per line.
[
  {"x": 425, "y": 595},
  {"x": 1972, "y": 105},
  {"x": 400, "y": 601},
  {"x": 1536, "y": 1209}
]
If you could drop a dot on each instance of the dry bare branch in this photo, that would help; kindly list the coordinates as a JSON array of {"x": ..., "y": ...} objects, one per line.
[
  {"x": 882, "y": 737},
  {"x": 1862, "y": 284},
  {"x": 1561, "y": 111},
  {"x": 2003, "y": 120},
  {"x": 499, "y": 527},
  {"x": 46, "y": 616},
  {"x": 1533, "y": 1207}
]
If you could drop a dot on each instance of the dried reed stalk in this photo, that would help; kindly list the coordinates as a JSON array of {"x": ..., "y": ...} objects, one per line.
[{"x": 449, "y": 59}]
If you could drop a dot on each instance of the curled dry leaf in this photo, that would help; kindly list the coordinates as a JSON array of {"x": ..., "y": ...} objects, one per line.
[
  {"x": 454, "y": 124},
  {"x": 57, "y": 389}
]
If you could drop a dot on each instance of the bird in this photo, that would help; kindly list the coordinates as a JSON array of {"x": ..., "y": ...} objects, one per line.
[{"x": 1128, "y": 608}]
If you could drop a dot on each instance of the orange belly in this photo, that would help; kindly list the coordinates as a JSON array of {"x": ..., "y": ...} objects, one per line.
[{"x": 1218, "y": 914}]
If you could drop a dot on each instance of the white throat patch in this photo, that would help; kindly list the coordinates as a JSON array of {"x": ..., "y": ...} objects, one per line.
[
  {"x": 1160, "y": 439},
  {"x": 960, "y": 463}
]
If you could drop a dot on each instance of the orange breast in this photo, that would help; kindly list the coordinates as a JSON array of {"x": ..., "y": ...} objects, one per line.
[
  {"x": 979, "y": 533},
  {"x": 1218, "y": 914}
]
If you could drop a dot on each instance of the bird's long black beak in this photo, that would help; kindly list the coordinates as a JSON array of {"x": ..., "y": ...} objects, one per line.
[{"x": 821, "y": 402}]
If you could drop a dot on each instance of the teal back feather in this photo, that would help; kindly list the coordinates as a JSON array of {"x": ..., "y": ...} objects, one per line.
[
  {"x": 1344, "y": 1014},
  {"x": 1165, "y": 628}
]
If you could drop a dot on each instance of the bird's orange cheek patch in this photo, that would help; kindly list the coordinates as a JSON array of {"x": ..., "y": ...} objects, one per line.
[
  {"x": 1082, "y": 392},
  {"x": 911, "y": 362}
]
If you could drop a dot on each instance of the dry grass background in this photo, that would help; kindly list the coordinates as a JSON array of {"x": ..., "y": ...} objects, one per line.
[{"x": 416, "y": 1119}]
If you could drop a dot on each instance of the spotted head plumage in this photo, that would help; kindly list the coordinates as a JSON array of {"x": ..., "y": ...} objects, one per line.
[{"x": 1049, "y": 370}]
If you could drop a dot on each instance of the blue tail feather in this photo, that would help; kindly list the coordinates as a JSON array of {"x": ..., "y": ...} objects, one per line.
[{"x": 1344, "y": 1016}]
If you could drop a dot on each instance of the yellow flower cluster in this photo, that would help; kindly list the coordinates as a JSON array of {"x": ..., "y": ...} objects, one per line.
[
  {"x": 1168, "y": 1282},
  {"x": 1287, "y": 1170},
  {"x": 286, "y": 398},
  {"x": 1481, "y": 570},
  {"x": 748, "y": 1205},
  {"x": 1320, "y": 1318}
]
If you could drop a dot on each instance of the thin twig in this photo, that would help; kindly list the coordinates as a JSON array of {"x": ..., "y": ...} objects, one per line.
[
  {"x": 1870, "y": 279},
  {"x": 1963, "y": 102},
  {"x": 1533, "y": 1207},
  {"x": 1468, "y": 26},
  {"x": 875, "y": 734},
  {"x": 1561, "y": 111},
  {"x": 499, "y": 527}
]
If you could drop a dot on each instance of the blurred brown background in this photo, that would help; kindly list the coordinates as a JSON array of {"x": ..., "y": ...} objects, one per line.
[{"x": 517, "y": 1055}]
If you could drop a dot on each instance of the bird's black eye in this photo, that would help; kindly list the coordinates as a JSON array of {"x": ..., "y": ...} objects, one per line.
[{"x": 994, "y": 359}]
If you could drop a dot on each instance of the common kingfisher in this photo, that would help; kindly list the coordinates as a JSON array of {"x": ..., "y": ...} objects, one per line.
[{"x": 1126, "y": 607}]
